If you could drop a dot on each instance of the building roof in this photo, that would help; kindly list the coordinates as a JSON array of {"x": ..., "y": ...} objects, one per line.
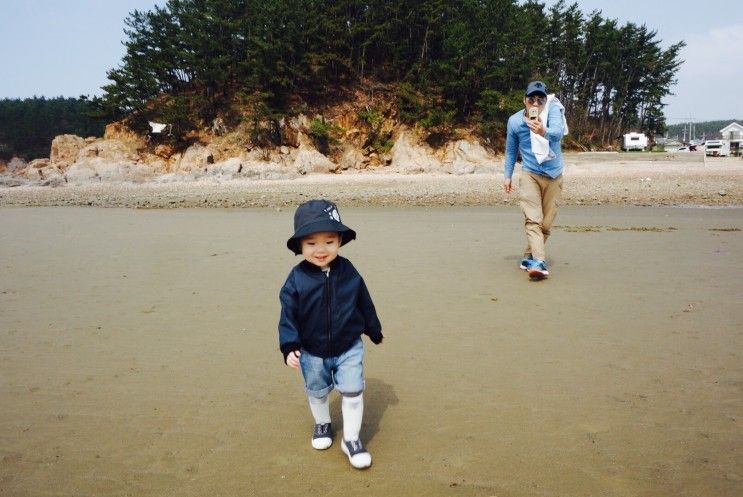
[{"x": 733, "y": 126}]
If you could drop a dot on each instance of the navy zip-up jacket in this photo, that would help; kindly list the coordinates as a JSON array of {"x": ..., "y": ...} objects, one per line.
[{"x": 325, "y": 314}]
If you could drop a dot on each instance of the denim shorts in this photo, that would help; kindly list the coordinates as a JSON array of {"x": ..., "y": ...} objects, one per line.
[{"x": 344, "y": 372}]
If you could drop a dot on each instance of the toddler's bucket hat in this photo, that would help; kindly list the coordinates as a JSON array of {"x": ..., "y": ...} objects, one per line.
[{"x": 315, "y": 216}]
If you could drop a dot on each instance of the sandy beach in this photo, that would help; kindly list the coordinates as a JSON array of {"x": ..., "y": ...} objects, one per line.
[{"x": 138, "y": 352}]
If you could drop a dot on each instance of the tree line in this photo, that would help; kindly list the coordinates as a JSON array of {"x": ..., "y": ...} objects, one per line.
[
  {"x": 28, "y": 126},
  {"x": 453, "y": 62},
  {"x": 707, "y": 129}
]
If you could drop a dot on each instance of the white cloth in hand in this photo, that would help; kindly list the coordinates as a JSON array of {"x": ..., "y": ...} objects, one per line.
[{"x": 539, "y": 144}]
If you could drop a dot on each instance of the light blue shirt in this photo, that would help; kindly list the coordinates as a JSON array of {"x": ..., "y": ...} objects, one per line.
[{"x": 519, "y": 139}]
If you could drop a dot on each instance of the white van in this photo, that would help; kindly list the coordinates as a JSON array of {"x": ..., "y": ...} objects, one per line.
[
  {"x": 717, "y": 148},
  {"x": 635, "y": 141}
]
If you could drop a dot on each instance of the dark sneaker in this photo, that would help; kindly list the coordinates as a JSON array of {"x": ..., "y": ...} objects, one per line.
[
  {"x": 524, "y": 264},
  {"x": 537, "y": 269},
  {"x": 322, "y": 437},
  {"x": 358, "y": 456}
]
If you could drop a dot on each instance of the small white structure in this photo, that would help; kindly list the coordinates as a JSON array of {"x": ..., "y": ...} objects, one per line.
[
  {"x": 634, "y": 141},
  {"x": 157, "y": 128},
  {"x": 733, "y": 133},
  {"x": 717, "y": 148}
]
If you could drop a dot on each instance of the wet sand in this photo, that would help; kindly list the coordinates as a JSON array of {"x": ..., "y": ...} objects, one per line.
[{"x": 138, "y": 355}]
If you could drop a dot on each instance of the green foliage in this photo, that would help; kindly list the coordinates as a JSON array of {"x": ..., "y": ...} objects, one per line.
[
  {"x": 454, "y": 62},
  {"x": 383, "y": 144},
  {"x": 410, "y": 104},
  {"x": 372, "y": 117},
  {"x": 28, "y": 126},
  {"x": 493, "y": 110},
  {"x": 324, "y": 134},
  {"x": 320, "y": 129},
  {"x": 438, "y": 118},
  {"x": 377, "y": 139},
  {"x": 434, "y": 116},
  {"x": 439, "y": 124},
  {"x": 178, "y": 112},
  {"x": 265, "y": 130}
]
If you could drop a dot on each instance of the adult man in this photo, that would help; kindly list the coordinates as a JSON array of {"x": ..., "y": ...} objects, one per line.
[{"x": 536, "y": 132}]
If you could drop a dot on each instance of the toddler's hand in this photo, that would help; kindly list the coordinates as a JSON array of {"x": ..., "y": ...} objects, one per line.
[{"x": 292, "y": 360}]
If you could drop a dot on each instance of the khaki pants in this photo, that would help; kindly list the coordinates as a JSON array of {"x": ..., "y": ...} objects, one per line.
[{"x": 538, "y": 197}]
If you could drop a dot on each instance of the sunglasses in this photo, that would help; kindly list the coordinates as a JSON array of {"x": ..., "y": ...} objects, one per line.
[{"x": 535, "y": 100}]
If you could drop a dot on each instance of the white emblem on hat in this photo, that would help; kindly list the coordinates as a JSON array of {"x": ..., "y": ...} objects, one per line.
[{"x": 334, "y": 215}]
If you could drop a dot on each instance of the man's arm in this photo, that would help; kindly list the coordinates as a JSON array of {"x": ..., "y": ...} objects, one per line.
[
  {"x": 555, "y": 124},
  {"x": 512, "y": 145}
]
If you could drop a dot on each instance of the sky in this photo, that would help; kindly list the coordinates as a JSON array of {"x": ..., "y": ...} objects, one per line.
[
  {"x": 713, "y": 56},
  {"x": 64, "y": 48}
]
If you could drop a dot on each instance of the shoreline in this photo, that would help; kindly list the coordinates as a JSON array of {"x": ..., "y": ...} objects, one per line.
[{"x": 590, "y": 179}]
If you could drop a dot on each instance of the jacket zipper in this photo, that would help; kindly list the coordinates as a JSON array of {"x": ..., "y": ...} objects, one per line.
[{"x": 327, "y": 307}]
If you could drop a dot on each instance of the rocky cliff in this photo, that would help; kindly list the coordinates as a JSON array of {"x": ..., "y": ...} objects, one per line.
[{"x": 349, "y": 142}]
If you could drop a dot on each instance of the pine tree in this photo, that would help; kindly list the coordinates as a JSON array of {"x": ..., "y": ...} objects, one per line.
[{"x": 454, "y": 63}]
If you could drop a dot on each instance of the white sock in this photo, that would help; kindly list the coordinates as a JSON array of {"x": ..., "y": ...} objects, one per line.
[
  {"x": 320, "y": 408},
  {"x": 353, "y": 412}
]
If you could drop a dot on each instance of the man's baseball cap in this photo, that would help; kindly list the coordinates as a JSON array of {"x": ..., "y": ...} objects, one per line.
[{"x": 536, "y": 87}]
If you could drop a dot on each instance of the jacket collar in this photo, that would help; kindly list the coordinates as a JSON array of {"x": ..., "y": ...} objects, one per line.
[{"x": 312, "y": 269}]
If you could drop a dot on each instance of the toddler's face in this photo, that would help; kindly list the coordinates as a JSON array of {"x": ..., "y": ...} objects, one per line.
[{"x": 321, "y": 248}]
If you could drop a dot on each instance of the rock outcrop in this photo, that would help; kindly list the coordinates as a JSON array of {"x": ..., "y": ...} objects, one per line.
[
  {"x": 98, "y": 170},
  {"x": 468, "y": 157},
  {"x": 120, "y": 132},
  {"x": 122, "y": 155},
  {"x": 309, "y": 160},
  {"x": 410, "y": 156},
  {"x": 65, "y": 150},
  {"x": 110, "y": 150},
  {"x": 196, "y": 158}
]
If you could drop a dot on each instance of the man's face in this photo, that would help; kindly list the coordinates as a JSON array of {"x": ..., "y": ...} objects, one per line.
[
  {"x": 534, "y": 100},
  {"x": 321, "y": 248}
]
